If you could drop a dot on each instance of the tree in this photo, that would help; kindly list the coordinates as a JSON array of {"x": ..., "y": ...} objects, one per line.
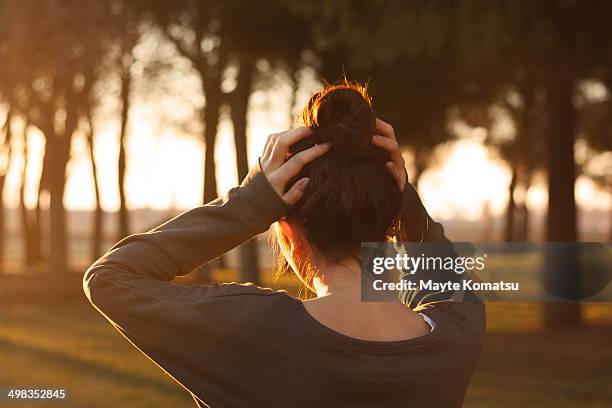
[
  {"x": 282, "y": 45},
  {"x": 409, "y": 55},
  {"x": 547, "y": 45},
  {"x": 554, "y": 44},
  {"x": 192, "y": 26},
  {"x": 9, "y": 86},
  {"x": 128, "y": 25},
  {"x": 30, "y": 220},
  {"x": 523, "y": 151},
  {"x": 98, "y": 216},
  {"x": 595, "y": 119},
  {"x": 127, "y": 37},
  {"x": 215, "y": 36},
  {"x": 45, "y": 49},
  {"x": 5, "y": 160}
]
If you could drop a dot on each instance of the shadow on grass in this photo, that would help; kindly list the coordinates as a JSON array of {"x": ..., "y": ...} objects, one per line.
[{"x": 97, "y": 370}]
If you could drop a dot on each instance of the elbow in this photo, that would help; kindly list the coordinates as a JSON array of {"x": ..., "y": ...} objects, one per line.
[
  {"x": 87, "y": 283},
  {"x": 94, "y": 277},
  {"x": 89, "y": 286}
]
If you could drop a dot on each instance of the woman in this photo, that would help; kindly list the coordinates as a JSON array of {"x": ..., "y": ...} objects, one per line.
[{"x": 326, "y": 187}]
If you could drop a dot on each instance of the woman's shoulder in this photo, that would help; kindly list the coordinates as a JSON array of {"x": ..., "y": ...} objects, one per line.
[
  {"x": 242, "y": 291},
  {"x": 240, "y": 302},
  {"x": 250, "y": 312},
  {"x": 247, "y": 300}
]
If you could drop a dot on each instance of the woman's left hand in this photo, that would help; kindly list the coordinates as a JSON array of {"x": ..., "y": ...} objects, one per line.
[{"x": 385, "y": 138}]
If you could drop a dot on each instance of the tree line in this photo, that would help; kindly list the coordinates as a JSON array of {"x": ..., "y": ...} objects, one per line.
[{"x": 427, "y": 63}]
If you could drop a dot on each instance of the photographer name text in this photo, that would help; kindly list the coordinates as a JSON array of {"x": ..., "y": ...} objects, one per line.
[{"x": 433, "y": 285}]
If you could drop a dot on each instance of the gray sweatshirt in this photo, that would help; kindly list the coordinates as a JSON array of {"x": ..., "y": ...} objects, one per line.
[{"x": 239, "y": 345}]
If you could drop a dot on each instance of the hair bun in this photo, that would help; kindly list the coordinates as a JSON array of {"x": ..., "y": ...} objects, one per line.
[
  {"x": 351, "y": 197},
  {"x": 343, "y": 116}
]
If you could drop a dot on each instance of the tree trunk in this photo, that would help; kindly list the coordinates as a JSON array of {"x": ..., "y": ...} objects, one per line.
[
  {"x": 487, "y": 222},
  {"x": 29, "y": 229},
  {"x": 523, "y": 230},
  {"x": 36, "y": 232},
  {"x": 59, "y": 147},
  {"x": 126, "y": 83},
  {"x": 3, "y": 232},
  {"x": 96, "y": 238},
  {"x": 509, "y": 235},
  {"x": 562, "y": 269},
  {"x": 249, "y": 269},
  {"x": 6, "y": 150},
  {"x": 239, "y": 112},
  {"x": 526, "y": 121},
  {"x": 211, "y": 88},
  {"x": 610, "y": 226},
  {"x": 295, "y": 85},
  {"x": 211, "y": 118}
]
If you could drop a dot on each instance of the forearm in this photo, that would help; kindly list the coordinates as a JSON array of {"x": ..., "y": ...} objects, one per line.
[
  {"x": 199, "y": 235},
  {"x": 129, "y": 285}
]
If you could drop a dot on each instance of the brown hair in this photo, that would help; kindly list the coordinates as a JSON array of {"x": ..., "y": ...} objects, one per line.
[{"x": 351, "y": 197}]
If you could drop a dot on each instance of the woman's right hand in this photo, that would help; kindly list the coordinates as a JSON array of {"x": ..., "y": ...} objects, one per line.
[
  {"x": 279, "y": 171},
  {"x": 385, "y": 138}
]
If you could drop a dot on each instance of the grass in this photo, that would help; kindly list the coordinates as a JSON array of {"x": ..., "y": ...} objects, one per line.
[
  {"x": 67, "y": 344},
  {"x": 571, "y": 368}
]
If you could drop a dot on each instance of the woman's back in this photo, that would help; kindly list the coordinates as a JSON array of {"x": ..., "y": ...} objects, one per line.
[{"x": 287, "y": 358}]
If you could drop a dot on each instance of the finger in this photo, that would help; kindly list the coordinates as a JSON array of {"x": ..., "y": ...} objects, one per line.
[
  {"x": 385, "y": 129},
  {"x": 266, "y": 149},
  {"x": 389, "y": 145},
  {"x": 285, "y": 140},
  {"x": 295, "y": 164},
  {"x": 270, "y": 145},
  {"x": 392, "y": 167},
  {"x": 296, "y": 192}
]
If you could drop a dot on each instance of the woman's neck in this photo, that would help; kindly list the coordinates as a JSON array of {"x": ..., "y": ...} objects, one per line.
[
  {"x": 338, "y": 305},
  {"x": 340, "y": 280}
]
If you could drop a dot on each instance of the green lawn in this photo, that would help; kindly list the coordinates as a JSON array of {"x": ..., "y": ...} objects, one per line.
[{"x": 67, "y": 344}]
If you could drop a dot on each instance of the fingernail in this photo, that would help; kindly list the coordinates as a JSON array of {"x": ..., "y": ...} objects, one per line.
[
  {"x": 304, "y": 182},
  {"x": 326, "y": 145}
]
